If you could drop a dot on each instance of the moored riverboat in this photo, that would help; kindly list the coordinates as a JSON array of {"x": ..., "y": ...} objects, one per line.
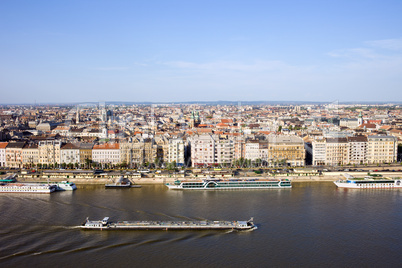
[
  {"x": 31, "y": 188},
  {"x": 369, "y": 182},
  {"x": 62, "y": 185},
  {"x": 230, "y": 184}
]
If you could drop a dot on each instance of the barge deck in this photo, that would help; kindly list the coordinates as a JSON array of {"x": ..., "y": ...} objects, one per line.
[{"x": 105, "y": 224}]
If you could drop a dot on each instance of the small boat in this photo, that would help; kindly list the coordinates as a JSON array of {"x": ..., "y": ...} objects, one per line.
[
  {"x": 9, "y": 178},
  {"x": 61, "y": 185},
  {"x": 65, "y": 186},
  {"x": 122, "y": 183}
]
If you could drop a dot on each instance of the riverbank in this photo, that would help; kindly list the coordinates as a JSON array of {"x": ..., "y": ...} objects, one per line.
[
  {"x": 144, "y": 181},
  {"x": 88, "y": 179}
]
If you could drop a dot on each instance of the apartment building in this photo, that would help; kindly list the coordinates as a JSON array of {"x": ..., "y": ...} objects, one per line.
[
  {"x": 336, "y": 151},
  {"x": 14, "y": 154},
  {"x": 30, "y": 155},
  {"x": 287, "y": 149},
  {"x": 381, "y": 149},
  {"x": 85, "y": 153},
  {"x": 70, "y": 154},
  {"x": 176, "y": 151},
  {"x": 319, "y": 152},
  {"x": 252, "y": 150},
  {"x": 3, "y": 146},
  {"x": 108, "y": 153},
  {"x": 49, "y": 152},
  {"x": 357, "y": 150},
  {"x": 203, "y": 150},
  {"x": 224, "y": 151}
]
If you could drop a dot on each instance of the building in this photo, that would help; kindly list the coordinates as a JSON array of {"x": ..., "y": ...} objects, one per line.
[
  {"x": 336, "y": 152},
  {"x": 252, "y": 150},
  {"x": 49, "y": 152},
  {"x": 357, "y": 150},
  {"x": 202, "y": 150},
  {"x": 319, "y": 152},
  {"x": 14, "y": 154},
  {"x": 70, "y": 154},
  {"x": 286, "y": 149},
  {"x": 176, "y": 152},
  {"x": 381, "y": 149},
  {"x": 3, "y": 146},
  {"x": 108, "y": 153},
  {"x": 85, "y": 153},
  {"x": 349, "y": 123},
  {"x": 224, "y": 151},
  {"x": 211, "y": 150},
  {"x": 30, "y": 155}
]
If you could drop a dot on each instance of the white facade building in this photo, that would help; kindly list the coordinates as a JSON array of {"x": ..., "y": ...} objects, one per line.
[
  {"x": 69, "y": 154},
  {"x": 319, "y": 152},
  {"x": 3, "y": 146},
  {"x": 252, "y": 151},
  {"x": 176, "y": 151},
  {"x": 108, "y": 153}
]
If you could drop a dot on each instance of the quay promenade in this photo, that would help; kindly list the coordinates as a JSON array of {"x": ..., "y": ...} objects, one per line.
[{"x": 108, "y": 178}]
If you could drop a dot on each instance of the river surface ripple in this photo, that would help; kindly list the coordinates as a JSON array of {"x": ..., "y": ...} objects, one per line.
[{"x": 311, "y": 225}]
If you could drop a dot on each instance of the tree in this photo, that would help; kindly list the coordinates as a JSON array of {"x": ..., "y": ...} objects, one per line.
[
  {"x": 171, "y": 166},
  {"x": 157, "y": 162},
  {"x": 279, "y": 128},
  {"x": 88, "y": 162}
]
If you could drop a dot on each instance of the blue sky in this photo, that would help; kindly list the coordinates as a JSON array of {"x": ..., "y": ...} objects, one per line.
[{"x": 165, "y": 51}]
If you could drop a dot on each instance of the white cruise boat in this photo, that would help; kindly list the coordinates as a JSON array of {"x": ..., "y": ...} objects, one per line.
[
  {"x": 230, "y": 184},
  {"x": 65, "y": 186},
  {"x": 369, "y": 183},
  {"x": 62, "y": 185},
  {"x": 30, "y": 188}
]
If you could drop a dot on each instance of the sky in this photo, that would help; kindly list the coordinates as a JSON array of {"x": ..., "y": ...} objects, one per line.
[{"x": 200, "y": 50}]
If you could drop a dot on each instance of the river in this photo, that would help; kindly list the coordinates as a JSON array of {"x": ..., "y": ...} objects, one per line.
[{"x": 314, "y": 224}]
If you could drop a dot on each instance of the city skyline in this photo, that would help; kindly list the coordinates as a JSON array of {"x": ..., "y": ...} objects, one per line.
[{"x": 162, "y": 52}]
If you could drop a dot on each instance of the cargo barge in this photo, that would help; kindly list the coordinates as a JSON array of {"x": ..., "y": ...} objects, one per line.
[{"x": 105, "y": 224}]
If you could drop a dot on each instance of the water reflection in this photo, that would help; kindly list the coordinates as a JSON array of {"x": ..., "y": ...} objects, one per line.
[{"x": 312, "y": 219}]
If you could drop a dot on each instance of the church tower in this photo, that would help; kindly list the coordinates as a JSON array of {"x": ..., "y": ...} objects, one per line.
[
  {"x": 360, "y": 119},
  {"x": 77, "y": 118}
]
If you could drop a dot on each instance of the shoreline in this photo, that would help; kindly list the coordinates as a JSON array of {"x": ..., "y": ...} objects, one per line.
[
  {"x": 85, "y": 179},
  {"x": 164, "y": 180}
]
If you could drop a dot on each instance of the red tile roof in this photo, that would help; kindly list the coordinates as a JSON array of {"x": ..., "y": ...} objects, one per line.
[
  {"x": 3, "y": 145},
  {"x": 112, "y": 146}
]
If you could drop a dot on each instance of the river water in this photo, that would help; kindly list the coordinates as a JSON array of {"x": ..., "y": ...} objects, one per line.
[{"x": 311, "y": 225}]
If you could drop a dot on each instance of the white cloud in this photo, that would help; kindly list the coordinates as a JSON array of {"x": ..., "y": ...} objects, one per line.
[
  {"x": 391, "y": 44},
  {"x": 110, "y": 68},
  {"x": 355, "y": 53},
  {"x": 257, "y": 66}
]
